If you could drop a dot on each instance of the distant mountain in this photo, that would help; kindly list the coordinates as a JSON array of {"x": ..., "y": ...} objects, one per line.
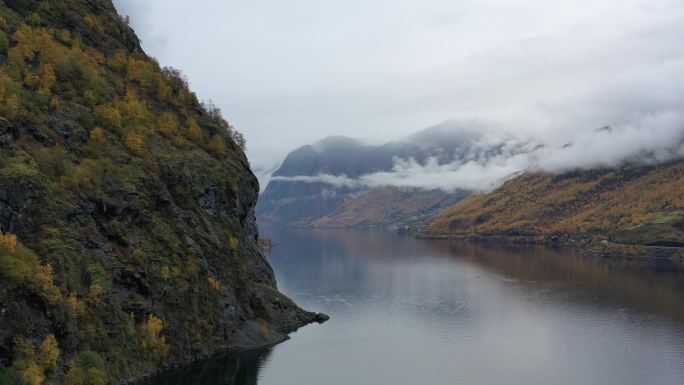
[
  {"x": 391, "y": 207},
  {"x": 634, "y": 205},
  {"x": 297, "y": 195}
]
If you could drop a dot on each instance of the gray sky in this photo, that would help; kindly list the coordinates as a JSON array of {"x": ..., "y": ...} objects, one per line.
[{"x": 289, "y": 73}]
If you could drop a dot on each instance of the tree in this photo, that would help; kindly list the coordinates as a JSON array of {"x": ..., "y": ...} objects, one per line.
[
  {"x": 33, "y": 374},
  {"x": 49, "y": 355},
  {"x": 8, "y": 241},
  {"x": 214, "y": 283},
  {"x": 86, "y": 369},
  {"x": 168, "y": 124},
  {"x": 135, "y": 143},
  {"x": 194, "y": 131},
  {"x": 217, "y": 146},
  {"x": 4, "y": 43},
  {"x": 151, "y": 338},
  {"x": 97, "y": 136},
  {"x": 108, "y": 116}
]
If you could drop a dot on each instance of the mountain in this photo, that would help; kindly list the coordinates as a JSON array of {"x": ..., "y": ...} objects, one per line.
[
  {"x": 128, "y": 240},
  {"x": 317, "y": 185},
  {"x": 632, "y": 205},
  {"x": 391, "y": 207}
]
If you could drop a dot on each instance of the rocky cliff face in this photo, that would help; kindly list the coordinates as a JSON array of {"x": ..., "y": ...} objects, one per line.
[{"x": 128, "y": 240}]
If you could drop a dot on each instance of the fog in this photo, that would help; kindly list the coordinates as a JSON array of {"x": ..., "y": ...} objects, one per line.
[{"x": 542, "y": 77}]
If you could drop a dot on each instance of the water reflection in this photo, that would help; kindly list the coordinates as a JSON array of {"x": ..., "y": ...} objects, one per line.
[
  {"x": 231, "y": 369},
  {"x": 409, "y": 311}
]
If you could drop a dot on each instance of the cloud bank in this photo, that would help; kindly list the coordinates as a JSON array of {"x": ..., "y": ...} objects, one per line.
[
  {"x": 492, "y": 157},
  {"x": 289, "y": 73}
]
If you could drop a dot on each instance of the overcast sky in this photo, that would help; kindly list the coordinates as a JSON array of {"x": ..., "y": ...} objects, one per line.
[{"x": 287, "y": 73}]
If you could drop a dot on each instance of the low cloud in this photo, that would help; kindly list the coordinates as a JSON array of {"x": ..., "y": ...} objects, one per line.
[
  {"x": 333, "y": 180},
  {"x": 495, "y": 156}
]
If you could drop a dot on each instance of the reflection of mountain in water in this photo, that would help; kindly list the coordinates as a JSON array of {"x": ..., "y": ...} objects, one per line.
[{"x": 231, "y": 369}]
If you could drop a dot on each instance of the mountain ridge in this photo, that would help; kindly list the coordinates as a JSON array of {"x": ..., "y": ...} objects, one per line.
[{"x": 316, "y": 183}]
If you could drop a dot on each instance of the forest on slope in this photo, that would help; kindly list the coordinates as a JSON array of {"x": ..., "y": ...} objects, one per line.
[
  {"x": 633, "y": 204},
  {"x": 128, "y": 239}
]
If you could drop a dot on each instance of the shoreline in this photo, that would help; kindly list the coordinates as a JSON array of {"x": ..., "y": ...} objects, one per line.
[
  {"x": 233, "y": 349},
  {"x": 586, "y": 245}
]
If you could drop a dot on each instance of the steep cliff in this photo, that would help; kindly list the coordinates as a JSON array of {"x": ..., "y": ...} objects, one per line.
[{"x": 128, "y": 239}]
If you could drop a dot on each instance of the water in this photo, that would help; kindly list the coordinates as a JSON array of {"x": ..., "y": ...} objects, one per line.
[{"x": 408, "y": 311}]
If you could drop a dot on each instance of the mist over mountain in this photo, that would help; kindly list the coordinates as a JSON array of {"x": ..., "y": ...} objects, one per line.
[{"x": 323, "y": 178}]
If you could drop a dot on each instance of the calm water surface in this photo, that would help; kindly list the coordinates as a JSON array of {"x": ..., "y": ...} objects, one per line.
[{"x": 407, "y": 311}]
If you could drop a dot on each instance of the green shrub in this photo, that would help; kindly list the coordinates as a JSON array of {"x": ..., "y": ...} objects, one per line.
[
  {"x": 4, "y": 43},
  {"x": 6, "y": 377}
]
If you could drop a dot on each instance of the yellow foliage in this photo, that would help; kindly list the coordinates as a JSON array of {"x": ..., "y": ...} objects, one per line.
[
  {"x": 214, "y": 283},
  {"x": 217, "y": 146},
  {"x": 21, "y": 265},
  {"x": 47, "y": 76},
  {"x": 9, "y": 90},
  {"x": 75, "y": 375},
  {"x": 118, "y": 61},
  {"x": 97, "y": 136},
  {"x": 140, "y": 71},
  {"x": 163, "y": 89},
  {"x": 33, "y": 375},
  {"x": 92, "y": 21},
  {"x": 264, "y": 330},
  {"x": 90, "y": 97},
  {"x": 94, "y": 293},
  {"x": 55, "y": 103},
  {"x": 234, "y": 243},
  {"x": 135, "y": 143},
  {"x": 74, "y": 305},
  {"x": 194, "y": 131},
  {"x": 151, "y": 338},
  {"x": 108, "y": 116},
  {"x": 168, "y": 124},
  {"x": 135, "y": 111},
  {"x": 49, "y": 354},
  {"x": 543, "y": 204},
  {"x": 8, "y": 241},
  {"x": 191, "y": 269}
]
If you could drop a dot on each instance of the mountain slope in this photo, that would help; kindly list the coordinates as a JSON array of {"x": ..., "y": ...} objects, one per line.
[
  {"x": 319, "y": 181},
  {"x": 641, "y": 205},
  {"x": 128, "y": 239},
  {"x": 390, "y": 207}
]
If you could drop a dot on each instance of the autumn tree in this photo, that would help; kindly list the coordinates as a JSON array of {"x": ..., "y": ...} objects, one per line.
[
  {"x": 194, "y": 132},
  {"x": 97, "y": 136},
  {"x": 217, "y": 146},
  {"x": 108, "y": 117},
  {"x": 151, "y": 339},
  {"x": 168, "y": 124},
  {"x": 135, "y": 143},
  {"x": 48, "y": 355}
]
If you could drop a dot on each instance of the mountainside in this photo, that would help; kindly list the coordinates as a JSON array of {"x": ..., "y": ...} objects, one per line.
[
  {"x": 635, "y": 205},
  {"x": 317, "y": 184},
  {"x": 391, "y": 207},
  {"x": 128, "y": 239}
]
